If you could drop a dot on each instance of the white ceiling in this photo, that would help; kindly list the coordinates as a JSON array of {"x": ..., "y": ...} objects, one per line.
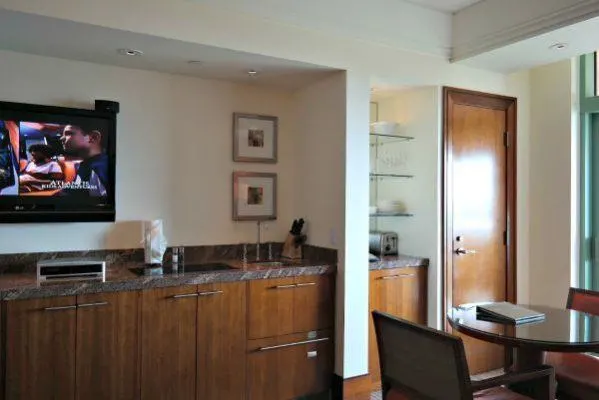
[
  {"x": 449, "y": 6},
  {"x": 28, "y": 33},
  {"x": 581, "y": 38}
]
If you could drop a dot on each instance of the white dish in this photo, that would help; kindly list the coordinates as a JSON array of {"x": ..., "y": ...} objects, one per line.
[{"x": 385, "y": 128}]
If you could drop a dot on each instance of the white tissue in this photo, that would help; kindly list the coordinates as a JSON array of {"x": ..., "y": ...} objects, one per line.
[{"x": 154, "y": 241}]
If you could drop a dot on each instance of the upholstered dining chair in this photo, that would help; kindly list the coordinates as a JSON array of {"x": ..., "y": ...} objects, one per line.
[
  {"x": 577, "y": 374},
  {"x": 420, "y": 363}
]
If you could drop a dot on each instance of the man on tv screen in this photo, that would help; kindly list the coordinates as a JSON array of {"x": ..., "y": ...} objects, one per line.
[
  {"x": 41, "y": 170},
  {"x": 89, "y": 145}
]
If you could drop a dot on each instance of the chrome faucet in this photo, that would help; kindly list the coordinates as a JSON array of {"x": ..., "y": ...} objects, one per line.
[{"x": 258, "y": 243}]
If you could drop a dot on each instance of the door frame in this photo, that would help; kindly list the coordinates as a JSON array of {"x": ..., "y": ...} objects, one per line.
[{"x": 453, "y": 96}]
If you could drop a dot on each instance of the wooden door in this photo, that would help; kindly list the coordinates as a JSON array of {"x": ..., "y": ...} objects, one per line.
[
  {"x": 270, "y": 307},
  {"x": 169, "y": 343},
  {"x": 400, "y": 292},
  {"x": 221, "y": 341},
  {"x": 40, "y": 348},
  {"x": 313, "y": 303},
  {"x": 107, "y": 346},
  {"x": 479, "y": 208}
]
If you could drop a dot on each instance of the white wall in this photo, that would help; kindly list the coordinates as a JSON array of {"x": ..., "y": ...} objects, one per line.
[
  {"x": 419, "y": 113},
  {"x": 331, "y": 174},
  {"x": 174, "y": 156},
  {"x": 519, "y": 86},
  {"x": 550, "y": 195}
]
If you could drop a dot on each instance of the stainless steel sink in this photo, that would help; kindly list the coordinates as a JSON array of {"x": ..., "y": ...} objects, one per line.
[
  {"x": 205, "y": 267},
  {"x": 274, "y": 263}
]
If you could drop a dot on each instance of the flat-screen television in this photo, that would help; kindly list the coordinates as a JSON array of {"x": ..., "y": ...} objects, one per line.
[{"x": 57, "y": 164}]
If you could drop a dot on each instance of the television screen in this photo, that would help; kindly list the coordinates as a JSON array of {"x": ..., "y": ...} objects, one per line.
[{"x": 55, "y": 160}]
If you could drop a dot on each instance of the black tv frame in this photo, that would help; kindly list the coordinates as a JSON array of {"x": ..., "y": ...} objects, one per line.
[{"x": 27, "y": 213}]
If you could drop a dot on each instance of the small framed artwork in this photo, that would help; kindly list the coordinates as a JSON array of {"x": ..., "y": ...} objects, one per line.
[
  {"x": 255, "y": 138},
  {"x": 254, "y": 196}
]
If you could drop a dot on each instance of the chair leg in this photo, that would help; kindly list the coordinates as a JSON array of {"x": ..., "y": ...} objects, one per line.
[
  {"x": 385, "y": 388},
  {"x": 539, "y": 389}
]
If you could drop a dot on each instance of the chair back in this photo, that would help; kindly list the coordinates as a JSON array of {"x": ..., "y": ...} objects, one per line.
[
  {"x": 583, "y": 300},
  {"x": 421, "y": 362}
]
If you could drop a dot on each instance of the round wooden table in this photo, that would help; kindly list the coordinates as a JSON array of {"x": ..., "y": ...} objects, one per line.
[{"x": 561, "y": 331}]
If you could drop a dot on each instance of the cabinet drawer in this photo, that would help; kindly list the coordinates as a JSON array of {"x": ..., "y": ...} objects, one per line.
[
  {"x": 290, "y": 366},
  {"x": 290, "y": 305},
  {"x": 313, "y": 303},
  {"x": 270, "y": 307}
]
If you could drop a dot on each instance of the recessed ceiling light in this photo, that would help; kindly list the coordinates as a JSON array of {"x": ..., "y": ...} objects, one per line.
[
  {"x": 252, "y": 73},
  {"x": 194, "y": 62},
  {"x": 130, "y": 52},
  {"x": 558, "y": 46}
]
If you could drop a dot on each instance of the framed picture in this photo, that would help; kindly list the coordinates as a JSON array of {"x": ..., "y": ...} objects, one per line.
[
  {"x": 255, "y": 138},
  {"x": 254, "y": 196}
]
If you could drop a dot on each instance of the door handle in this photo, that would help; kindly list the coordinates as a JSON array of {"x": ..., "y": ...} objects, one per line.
[
  {"x": 60, "y": 308},
  {"x": 281, "y": 346},
  {"x": 305, "y": 284},
  {"x": 292, "y": 286},
  {"x": 211, "y": 293},
  {"x": 98, "y": 304},
  {"x": 462, "y": 251},
  {"x": 398, "y": 276},
  {"x": 184, "y": 296}
]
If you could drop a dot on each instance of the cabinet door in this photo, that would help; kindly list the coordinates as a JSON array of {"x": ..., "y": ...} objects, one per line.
[
  {"x": 221, "y": 341},
  {"x": 313, "y": 303},
  {"x": 400, "y": 292},
  {"x": 169, "y": 343},
  {"x": 270, "y": 307},
  {"x": 107, "y": 346},
  {"x": 40, "y": 348},
  {"x": 285, "y": 367}
]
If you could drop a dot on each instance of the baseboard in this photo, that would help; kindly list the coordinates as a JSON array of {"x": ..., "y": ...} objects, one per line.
[{"x": 346, "y": 388}]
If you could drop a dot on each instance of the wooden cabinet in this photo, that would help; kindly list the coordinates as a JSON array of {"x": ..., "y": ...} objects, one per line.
[
  {"x": 290, "y": 353},
  {"x": 194, "y": 342},
  {"x": 290, "y": 305},
  {"x": 184, "y": 343},
  {"x": 221, "y": 341},
  {"x": 401, "y": 292},
  {"x": 73, "y": 348},
  {"x": 40, "y": 348},
  {"x": 290, "y": 366},
  {"x": 107, "y": 346},
  {"x": 169, "y": 344}
]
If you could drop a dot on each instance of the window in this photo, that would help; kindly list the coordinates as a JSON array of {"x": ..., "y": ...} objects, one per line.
[{"x": 589, "y": 185}]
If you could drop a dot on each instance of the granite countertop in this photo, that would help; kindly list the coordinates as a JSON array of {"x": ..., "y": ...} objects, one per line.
[
  {"x": 119, "y": 277},
  {"x": 399, "y": 261}
]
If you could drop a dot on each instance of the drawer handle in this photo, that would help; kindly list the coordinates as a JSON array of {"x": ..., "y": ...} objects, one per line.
[
  {"x": 281, "y": 346},
  {"x": 306, "y": 284},
  {"x": 98, "y": 304},
  {"x": 292, "y": 286},
  {"x": 61, "y": 308},
  {"x": 386, "y": 278},
  {"x": 212, "y": 293},
  {"x": 184, "y": 296}
]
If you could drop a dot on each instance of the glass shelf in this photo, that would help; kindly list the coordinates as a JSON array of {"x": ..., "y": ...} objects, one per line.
[
  {"x": 372, "y": 176},
  {"x": 390, "y": 214},
  {"x": 384, "y": 138}
]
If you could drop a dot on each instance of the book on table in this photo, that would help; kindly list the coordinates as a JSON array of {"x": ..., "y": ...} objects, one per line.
[{"x": 508, "y": 312}]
